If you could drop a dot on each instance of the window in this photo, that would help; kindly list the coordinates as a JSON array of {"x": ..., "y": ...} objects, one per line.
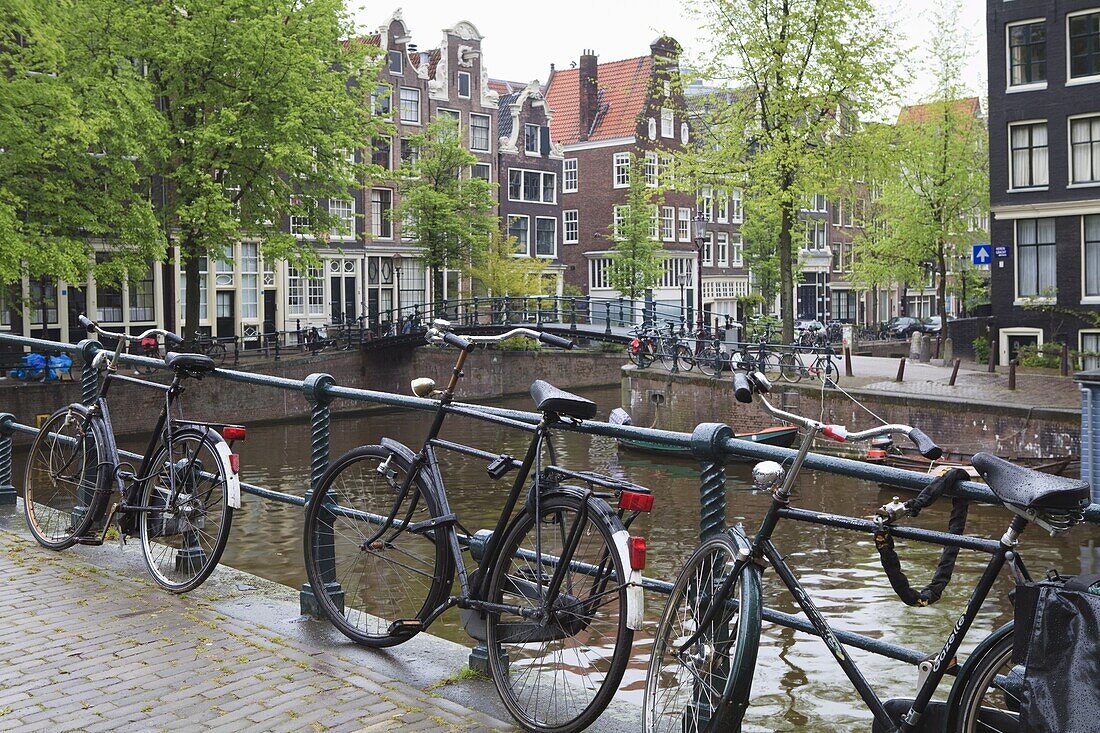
[
  {"x": 668, "y": 223},
  {"x": 299, "y": 224},
  {"x": 1027, "y": 53},
  {"x": 1084, "y": 145},
  {"x": 381, "y": 209},
  {"x": 410, "y": 106},
  {"x": 1092, "y": 256},
  {"x": 1028, "y": 161},
  {"x": 846, "y": 213},
  {"x": 708, "y": 250},
  {"x": 817, "y": 202},
  {"x": 571, "y": 227},
  {"x": 666, "y": 170},
  {"x": 203, "y": 265},
  {"x": 598, "y": 273},
  {"x": 706, "y": 203},
  {"x": 223, "y": 268},
  {"x": 316, "y": 291},
  {"x": 722, "y": 246},
  {"x": 453, "y": 114},
  {"x": 683, "y": 225},
  {"x": 1090, "y": 349},
  {"x": 250, "y": 280},
  {"x": 842, "y": 305},
  {"x": 409, "y": 153},
  {"x": 142, "y": 298},
  {"x": 531, "y": 139},
  {"x": 619, "y": 222},
  {"x": 380, "y": 101},
  {"x": 344, "y": 211},
  {"x": 1084, "y": 44},
  {"x": 395, "y": 62},
  {"x": 652, "y": 175},
  {"x": 546, "y": 236},
  {"x": 484, "y": 171},
  {"x": 569, "y": 173},
  {"x": 815, "y": 235},
  {"x": 223, "y": 305},
  {"x": 621, "y": 169},
  {"x": 654, "y": 223},
  {"x": 295, "y": 296},
  {"x": 723, "y": 213},
  {"x": 736, "y": 250},
  {"x": 737, "y": 213},
  {"x": 108, "y": 300},
  {"x": 464, "y": 84},
  {"x": 381, "y": 153},
  {"x": 836, "y": 218},
  {"x": 479, "y": 132},
  {"x": 668, "y": 123},
  {"x": 532, "y": 186},
  {"x": 1035, "y": 260},
  {"x": 517, "y": 227}
]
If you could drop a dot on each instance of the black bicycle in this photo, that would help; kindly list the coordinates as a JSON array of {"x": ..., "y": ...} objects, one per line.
[
  {"x": 556, "y": 595},
  {"x": 704, "y": 654},
  {"x": 179, "y": 501}
]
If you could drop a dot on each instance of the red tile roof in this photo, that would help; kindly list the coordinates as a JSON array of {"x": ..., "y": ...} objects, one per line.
[
  {"x": 502, "y": 86},
  {"x": 623, "y": 87},
  {"x": 921, "y": 112},
  {"x": 433, "y": 61}
]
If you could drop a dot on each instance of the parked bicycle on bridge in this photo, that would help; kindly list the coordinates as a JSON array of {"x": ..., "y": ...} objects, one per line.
[
  {"x": 556, "y": 595},
  {"x": 704, "y": 656},
  {"x": 179, "y": 501}
]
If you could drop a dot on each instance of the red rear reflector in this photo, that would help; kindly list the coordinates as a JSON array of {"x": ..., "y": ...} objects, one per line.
[
  {"x": 632, "y": 501},
  {"x": 234, "y": 463},
  {"x": 637, "y": 552},
  {"x": 875, "y": 454},
  {"x": 234, "y": 433},
  {"x": 837, "y": 432},
  {"x": 635, "y": 346}
]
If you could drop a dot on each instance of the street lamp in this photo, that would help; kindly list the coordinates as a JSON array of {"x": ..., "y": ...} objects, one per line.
[
  {"x": 699, "y": 229},
  {"x": 397, "y": 258},
  {"x": 683, "y": 279}
]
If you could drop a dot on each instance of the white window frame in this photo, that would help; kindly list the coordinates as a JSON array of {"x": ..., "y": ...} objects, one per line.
[
  {"x": 722, "y": 248},
  {"x": 392, "y": 54},
  {"x": 1012, "y": 187},
  {"x": 1095, "y": 151},
  {"x": 487, "y": 166},
  {"x": 620, "y": 170},
  {"x": 401, "y": 106},
  {"x": 538, "y": 139},
  {"x": 708, "y": 250},
  {"x": 335, "y": 232},
  {"x": 706, "y": 203},
  {"x": 722, "y": 204},
  {"x": 668, "y": 223},
  {"x": 1022, "y": 300},
  {"x": 737, "y": 250},
  {"x": 683, "y": 225},
  {"x": 570, "y": 174},
  {"x": 1071, "y": 80},
  {"x": 315, "y": 290},
  {"x": 526, "y": 245},
  {"x": 1086, "y": 299},
  {"x": 488, "y": 132},
  {"x": 542, "y": 186},
  {"x": 668, "y": 122},
  {"x": 469, "y": 85},
  {"x": 377, "y": 219},
  {"x": 535, "y": 238},
  {"x": 1081, "y": 347},
  {"x": 454, "y": 114},
  {"x": 652, "y": 170},
  {"x": 618, "y": 218},
  {"x": 1030, "y": 86},
  {"x": 1004, "y": 333},
  {"x": 570, "y": 220},
  {"x": 737, "y": 209}
]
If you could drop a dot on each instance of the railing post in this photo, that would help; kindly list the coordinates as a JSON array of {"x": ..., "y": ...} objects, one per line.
[
  {"x": 706, "y": 446},
  {"x": 572, "y": 314},
  {"x": 89, "y": 375},
  {"x": 315, "y": 388},
  {"x": 7, "y": 488},
  {"x": 479, "y": 655},
  {"x": 607, "y": 309}
]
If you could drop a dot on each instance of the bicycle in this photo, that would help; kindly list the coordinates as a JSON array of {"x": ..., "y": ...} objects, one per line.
[
  {"x": 209, "y": 346},
  {"x": 180, "y": 499},
  {"x": 792, "y": 368},
  {"x": 702, "y": 667},
  {"x": 672, "y": 352},
  {"x": 642, "y": 349},
  {"x": 556, "y": 595},
  {"x": 713, "y": 358},
  {"x": 764, "y": 360}
]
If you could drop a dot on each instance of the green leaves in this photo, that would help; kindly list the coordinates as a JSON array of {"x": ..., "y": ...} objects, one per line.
[{"x": 637, "y": 262}]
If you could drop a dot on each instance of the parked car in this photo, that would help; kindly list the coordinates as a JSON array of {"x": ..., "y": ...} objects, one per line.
[
  {"x": 808, "y": 324},
  {"x": 931, "y": 324},
  {"x": 903, "y": 327}
]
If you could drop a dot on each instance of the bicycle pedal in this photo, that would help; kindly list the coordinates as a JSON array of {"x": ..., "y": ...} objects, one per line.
[
  {"x": 91, "y": 541},
  {"x": 406, "y": 627}
]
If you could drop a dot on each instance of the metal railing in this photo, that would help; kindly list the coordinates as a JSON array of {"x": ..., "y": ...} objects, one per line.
[{"x": 712, "y": 444}]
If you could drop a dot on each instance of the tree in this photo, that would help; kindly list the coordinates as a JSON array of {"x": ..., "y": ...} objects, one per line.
[
  {"x": 260, "y": 112},
  {"x": 502, "y": 272},
  {"x": 449, "y": 212},
  {"x": 938, "y": 175},
  {"x": 76, "y": 120},
  {"x": 637, "y": 263},
  {"x": 805, "y": 70}
]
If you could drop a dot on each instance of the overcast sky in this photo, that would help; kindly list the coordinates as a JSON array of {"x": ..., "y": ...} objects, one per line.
[{"x": 521, "y": 41}]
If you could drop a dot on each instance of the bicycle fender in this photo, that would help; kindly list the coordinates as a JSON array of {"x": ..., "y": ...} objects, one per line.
[
  {"x": 232, "y": 478},
  {"x": 635, "y": 596},
  {"x": 968, "y": 668}
]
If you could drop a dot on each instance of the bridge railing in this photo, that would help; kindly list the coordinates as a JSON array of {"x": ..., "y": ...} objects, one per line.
[{"x": 712, "y": 444}]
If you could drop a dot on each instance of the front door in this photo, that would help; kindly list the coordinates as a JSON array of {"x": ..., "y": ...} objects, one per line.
[
  {"x": 225, "y": 309},
  {"x": 78, "y": 304},
  {"x": 270, "y": 304}
]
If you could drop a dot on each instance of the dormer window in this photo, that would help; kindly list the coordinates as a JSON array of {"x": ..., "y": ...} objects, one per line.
[
  {"x": 668, "y": 123},
  {"x": 531, "y": 139},
  {"x": 464, "y": 84},
  {"x": 396, "y": 62}
]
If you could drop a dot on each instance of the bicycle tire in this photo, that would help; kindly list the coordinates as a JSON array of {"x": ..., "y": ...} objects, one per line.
[
  {"x": 65, "y": 480},
  {"x": 684, "y": 358},
  {"x": 721, "y": 667},
  {"x": 768, "y": 364},
  {"x": 647, "y": 354},
  {"x": 375, "y": 588},
  {"x": 666, "y": 353},
  {"x": 990, "y": 697},
  {"x": 564, "y": 683},
  {"x": 217, "y": 352},
  {"x": 790, "y": 368},
  {"x": 830, "y": 373},
  {"x": 710, "y": 361},
  {"x": 183, "y": 544}
]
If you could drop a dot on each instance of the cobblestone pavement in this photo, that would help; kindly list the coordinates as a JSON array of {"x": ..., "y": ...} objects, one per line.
[{"x": 91, "y": 649}]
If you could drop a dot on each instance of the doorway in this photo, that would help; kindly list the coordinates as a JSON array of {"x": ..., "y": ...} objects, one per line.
[{"x": 224, "y": 312}]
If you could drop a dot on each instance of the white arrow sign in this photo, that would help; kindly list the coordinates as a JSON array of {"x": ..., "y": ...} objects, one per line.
[{"x": 980, "y": 255}]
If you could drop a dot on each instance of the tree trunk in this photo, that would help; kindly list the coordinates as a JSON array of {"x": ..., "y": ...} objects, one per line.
[
  {"x": 190, "y": 260},
  {"x": 941, "y": 293},
  {"x": 786, "y": 275}
]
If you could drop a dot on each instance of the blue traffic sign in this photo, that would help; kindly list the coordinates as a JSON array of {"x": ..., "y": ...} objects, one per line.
[
  {"x": 1000, "y": 252},
  {"x": 981, "y": 254}
]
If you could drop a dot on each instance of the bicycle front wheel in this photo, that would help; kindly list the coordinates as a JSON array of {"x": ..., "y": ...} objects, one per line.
[
  {"x": 217, "y": 352},
  {"x": 790, "y": 367},
  {"x": 990, "y": 699},
  {"x": 559, "y": 674},
  {"x": 685, "y": 358},
  {"x": 183, "y": 538},
  {"x": 65, "y": 482},
  {"x": 710, "y": 361},
  {"x": 704, "y": 687},
  {"x": 768, "y": 363},
  {"x": 362, "y": 582}
]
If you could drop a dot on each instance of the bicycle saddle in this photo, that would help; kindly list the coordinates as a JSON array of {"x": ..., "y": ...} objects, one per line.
[
  {"x": 1025, "y": 487},
  {"x": 549, "y": 398},
  {"x": 192, "y": 364}
]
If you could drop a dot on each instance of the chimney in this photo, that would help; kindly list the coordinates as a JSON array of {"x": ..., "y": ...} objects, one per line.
[{"x": 588, "y": 92}]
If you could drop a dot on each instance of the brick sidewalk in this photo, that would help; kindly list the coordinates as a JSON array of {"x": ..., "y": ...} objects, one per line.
[{"x": 89, "y": 649}]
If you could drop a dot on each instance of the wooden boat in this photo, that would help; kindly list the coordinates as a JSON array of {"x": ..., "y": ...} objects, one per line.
[
  {"x": 780, "y": 435},
  {"x": 916, "y": 462}
]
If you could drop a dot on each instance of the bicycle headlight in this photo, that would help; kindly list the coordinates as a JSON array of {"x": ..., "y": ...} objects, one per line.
[{"x": 766, "y": 475}]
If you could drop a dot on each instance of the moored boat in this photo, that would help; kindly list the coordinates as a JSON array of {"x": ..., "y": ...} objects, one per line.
[{"x": 778, "y": 435}]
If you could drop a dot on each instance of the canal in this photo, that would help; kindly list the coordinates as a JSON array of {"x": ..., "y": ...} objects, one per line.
[{"x": 798, "y": 685}]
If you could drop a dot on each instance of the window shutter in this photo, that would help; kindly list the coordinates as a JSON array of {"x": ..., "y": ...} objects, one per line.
[{"x": 544, "y": 140}]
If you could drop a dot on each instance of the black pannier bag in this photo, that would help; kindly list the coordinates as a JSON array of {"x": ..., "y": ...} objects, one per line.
[{"x": 1057, "y": 639}]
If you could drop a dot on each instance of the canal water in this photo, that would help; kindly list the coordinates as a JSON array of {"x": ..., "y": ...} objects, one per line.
[{"x": 798, "y": 686}]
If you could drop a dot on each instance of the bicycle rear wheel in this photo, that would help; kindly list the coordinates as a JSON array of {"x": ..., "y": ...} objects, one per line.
[
  {"x": 990, "y": 699},
  {"x": 685, "y": 358},
  {"x": 768, "y": 363},
  {"x": 363, "y": 589},
  {"x": 184, "y": 538},
  {"x": 710, "y": 361},
  {"x": 217, "y": 352},
  {"x": 790, "y": 367},
  {"x": 559, "y": 674},
  {"x": 65, "y": 482},
  {"x": 705, "y": 687}
]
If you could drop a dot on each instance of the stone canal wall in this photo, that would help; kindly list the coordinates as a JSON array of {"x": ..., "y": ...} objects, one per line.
[
  {"x": 681, "y": 401},
  {"x": 488, "y": 374}
]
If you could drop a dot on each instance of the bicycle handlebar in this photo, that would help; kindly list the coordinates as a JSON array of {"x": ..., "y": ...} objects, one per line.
[
  {"x": 93, "y": 327},
  {"x": 440, "y": 333}
]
